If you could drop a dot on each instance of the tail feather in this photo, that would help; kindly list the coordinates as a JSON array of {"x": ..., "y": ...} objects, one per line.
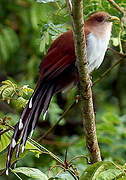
[
  {"x": 34, "y": 114},
  {"x": 12, "y": 147},
  {"x": 48, "y": 98},
  {"x": 39, "y": 102}
]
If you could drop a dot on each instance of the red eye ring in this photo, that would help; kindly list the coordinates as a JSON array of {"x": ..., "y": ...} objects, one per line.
[{"x": 100, "y": 19}]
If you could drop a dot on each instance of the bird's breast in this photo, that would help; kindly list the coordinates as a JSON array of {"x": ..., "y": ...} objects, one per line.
[{"x": 96, "y": 48}]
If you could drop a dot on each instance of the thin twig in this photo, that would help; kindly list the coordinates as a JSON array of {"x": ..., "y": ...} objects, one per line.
[
  {"x": 73, "y": 174},
  {"x": 2, "y": 173},
  {"x": 116, "y": 6},
  {"x": 117, "y": 52},
  {"x": 46, "y": 150},
  {"x": 106, "y": 72},
  {"x": 66, "y": 153},
  {"x": 63, "y": 115},
  {"x": 56, "y": 143},
  {"x": 69, "y": 5},
  {"x": 75, "y": 170},
  {"x": 62, "y": 167},
  {"x": 16, "y": 174},
  {"x": 78, "y": 157},
  {"x": 50, "y": 169},
  {"x": 120, "y": 34}
]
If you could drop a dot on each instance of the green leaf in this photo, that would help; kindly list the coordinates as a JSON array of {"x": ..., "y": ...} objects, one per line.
[
  {"x": 3, "y": 158},
  {"x": 111, "y": 118},
  {"x": 11, "y": 39},
  {"x": 29, "y": 146},
  {"x": 42, "y": 44},
  {"x": 47, "y": 38},
  {"x": 115, "y": 41},
  {"x": 109, "y": 174},
  {"x": 4, "y": 138},
  {"x": 62, "y": 176},
  {"x": 8, "y": 42},
  {"x": 42, "y": 12},
  {"x": 31, "y": 172},
  {"x": 3, "y": 48},
  {"x": 2, "y": 88},
  {"x": 10, "y": 83},
  {"x": 7, "y": 92},
  {"x": 26, "y": 89},
  {"x": 101, "y": 171},
  {"x": 21, "y": 102},
  {"x": 107, "y": 127}
]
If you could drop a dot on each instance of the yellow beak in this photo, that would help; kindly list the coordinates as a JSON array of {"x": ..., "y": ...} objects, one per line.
[{"x": 113, "y": 18}]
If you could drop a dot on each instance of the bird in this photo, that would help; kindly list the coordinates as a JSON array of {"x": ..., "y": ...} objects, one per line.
[{"x": 57, "y": 71}]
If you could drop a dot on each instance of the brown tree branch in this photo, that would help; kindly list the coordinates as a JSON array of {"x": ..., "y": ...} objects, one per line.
[
  {"x": 107, "y": 71},
  {"x": 63, "y": 115},
  {"x": 116, "y": 6},
  {"x": 84, "y": 81},
  {"x": 117, "y": 52}
]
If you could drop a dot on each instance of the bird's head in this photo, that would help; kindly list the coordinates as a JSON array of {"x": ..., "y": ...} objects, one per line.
[{"x": 100, "y": 23}]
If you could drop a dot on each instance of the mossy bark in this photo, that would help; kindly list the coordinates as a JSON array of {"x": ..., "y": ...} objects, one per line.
[{"x": 84, "y": 82}]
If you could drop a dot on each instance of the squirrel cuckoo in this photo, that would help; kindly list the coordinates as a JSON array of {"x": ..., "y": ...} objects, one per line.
[{"x": 58, "y": 70}]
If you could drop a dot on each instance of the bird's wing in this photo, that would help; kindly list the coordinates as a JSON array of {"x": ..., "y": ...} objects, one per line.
[{"x": 59, "y": 56}]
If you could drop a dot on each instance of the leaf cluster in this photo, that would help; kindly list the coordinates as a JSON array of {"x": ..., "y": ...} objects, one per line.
[{"x": 10, "y": 91}]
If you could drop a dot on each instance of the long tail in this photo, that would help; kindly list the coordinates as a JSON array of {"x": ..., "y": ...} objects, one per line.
[{"x": 38, "y": 103}]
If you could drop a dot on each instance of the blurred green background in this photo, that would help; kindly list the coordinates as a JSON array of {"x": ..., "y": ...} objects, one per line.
[{"x": 27, "y": 28}]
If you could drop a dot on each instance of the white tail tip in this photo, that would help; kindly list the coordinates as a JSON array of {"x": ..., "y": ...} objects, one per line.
[
  {"x": 14, "y": 165},
  {"x": 22, "y": 149},
  {"x": 30, "y": 103},
  {"x": 44, "y": 115},
  {"x": 31, "y": 133},
  {"x": 13, "y": 143},
  {"x": 20, "y": 124},
  {"x": 7, "y": 172}
]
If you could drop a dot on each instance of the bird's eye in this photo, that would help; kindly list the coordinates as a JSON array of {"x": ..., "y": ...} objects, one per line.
[{"x": 100, "y": 19}]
